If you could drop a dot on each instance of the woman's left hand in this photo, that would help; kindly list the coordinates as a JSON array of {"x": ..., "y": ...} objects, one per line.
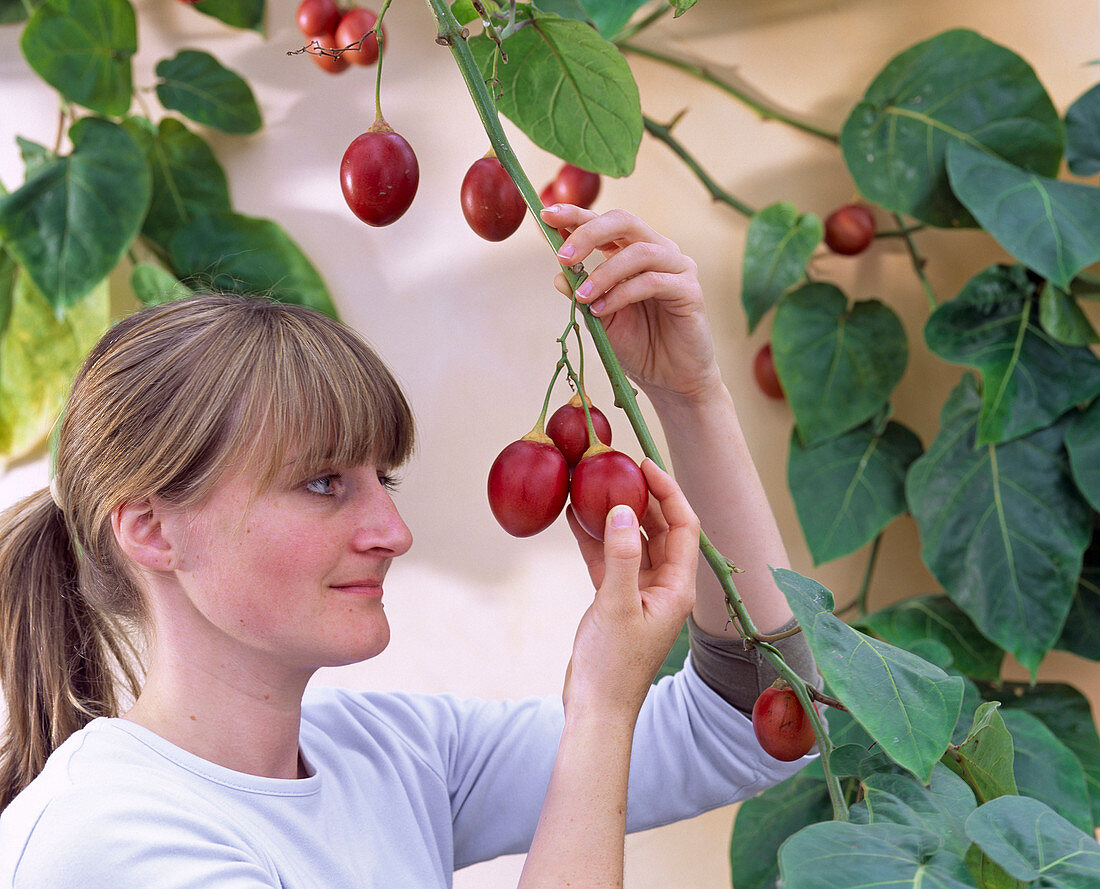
[{"x": 647, "y": 293}]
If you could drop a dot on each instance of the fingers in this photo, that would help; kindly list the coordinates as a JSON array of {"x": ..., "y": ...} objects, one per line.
[
  {"x": 591, "y": 549},
  {"x": 681, "y": 543},
  {"x": 622, "y": 560},
  {"x": 641, "y": 264}
]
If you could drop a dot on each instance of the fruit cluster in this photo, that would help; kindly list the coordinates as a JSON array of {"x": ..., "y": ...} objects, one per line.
[
  {"x": 531, "y": 479},
  {"x": 331, "y": 28}
]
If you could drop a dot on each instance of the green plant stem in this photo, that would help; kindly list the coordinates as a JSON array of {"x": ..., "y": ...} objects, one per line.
[
  {"x": 377, "y": 29},
  {"x": 630, "y": 30},
  {"x": 917, "y": 259},
  {"x": 452, "y": 35},
  {"x": 765, "y": 112},
  {"x": 663, "y": 132}
]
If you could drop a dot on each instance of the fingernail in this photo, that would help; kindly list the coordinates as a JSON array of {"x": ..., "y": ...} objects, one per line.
[
  {"x": 597, "y": 306},
  {"x": 585, "y": 290},
  {"x": 553, "y": 208},
  {"x": 622, "y": 517},
  {"x": 566, "y": 251}
]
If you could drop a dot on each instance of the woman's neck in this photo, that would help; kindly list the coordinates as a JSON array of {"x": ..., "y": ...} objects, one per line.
[{"x": 228, "y": 715}]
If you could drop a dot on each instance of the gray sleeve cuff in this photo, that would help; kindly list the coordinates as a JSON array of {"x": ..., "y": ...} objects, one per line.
[{"x": 739, "y": 674}]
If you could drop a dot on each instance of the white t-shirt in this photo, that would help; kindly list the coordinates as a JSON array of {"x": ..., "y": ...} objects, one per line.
[{"x": 403, "y": 789}]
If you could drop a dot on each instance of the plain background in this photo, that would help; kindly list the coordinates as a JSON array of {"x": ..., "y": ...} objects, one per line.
[{"x": 470, "y": 326}]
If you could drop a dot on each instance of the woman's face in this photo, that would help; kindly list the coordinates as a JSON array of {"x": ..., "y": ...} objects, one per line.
[{"x": 292, "y": 575}]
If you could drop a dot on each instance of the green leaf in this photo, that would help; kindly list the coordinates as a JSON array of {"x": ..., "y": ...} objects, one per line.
[
  {"x": 778, "y": 246},
  {"x": 237, "y": 13},
  {"x": 1083, "y": 447},
  {"x": 1062, "y": 318},
  {"x": 15, "y": 11},
  {"x": 33, "y": 154},
  {"x": 955, "y": 87},
  {"x": 1050, "y": 226},
  {"x": 82, "y": 48},
  {"x": 154, "y": 285},
  {"x": 906, "y": 704},
  {"x": 1067, "y": 713},
  {"x": 1002, "y": 527},
  {"x": 1035, "y": 844},
  {"x": 200, "y": 87},
  {"x": 73, "y": 219},
  {"x": 985, "y": 759},
  {"x": 941, "y": 808},
  {"x": 40, "y": 354},
  {"x": 938, "y": 618},
  {"x": 609, "y": 16},
  {"x": 843, "y": 855},
  {"x": 1083, "y": 134},
  {"x": 1081, "y": 634},
  {"x": 838, "y": 365},
  {"x": 681, "y": 6},
  {"x": 243, "y": 254},
  {"x": 590, "y": 115},
  {"x": 847, "y": 489},
  {"x": 1029, "y": 379},
  {"x": 765, "y": 821},
  {"x": 187, "y": 179}
]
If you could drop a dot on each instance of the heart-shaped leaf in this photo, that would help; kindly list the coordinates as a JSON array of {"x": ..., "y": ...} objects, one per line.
[
  {"x": 238, "y": 13},
  {"x": 75, "y": 216},
  {"x": 937, "y": 617},
  {"x": 187, "y": 178},
  {"x": 905, "y": 703},
  {"x": 847, "y": 489},
  {"x": 243, "y": 254},
  {"x": 941, "y": 807},
  {"x": 1035, "y": 844},
  {"x": 592, "y": 116},
  {"x": 1052, "y": 227},
  {"x": 40, "y": 354},
  {"x": 1067, "y": 713},
  {"x": 1083, "y": 134},
  {"x": 1002, "y": 527},
  {"x": 838, "y": 365},
  {"x": 984, "y": 760},
  {"x": 841, "y": 855},
  {"x": 955, "y": 87},
  {"x": 82, "y": 48},
  {"x": 200, "y": 87},
  {"x": 1029, "y": 379},
  {"x": 778, "y": 246},
  {"x": 764, "y": 822}
]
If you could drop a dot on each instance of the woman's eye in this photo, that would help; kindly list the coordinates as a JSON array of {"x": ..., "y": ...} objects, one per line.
[
  {"x": 326, "y": 484},
  {"x": 389, "y": 482}
]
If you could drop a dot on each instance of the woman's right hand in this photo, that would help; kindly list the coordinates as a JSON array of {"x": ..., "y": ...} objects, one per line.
[{"x": 645, "y": 589}]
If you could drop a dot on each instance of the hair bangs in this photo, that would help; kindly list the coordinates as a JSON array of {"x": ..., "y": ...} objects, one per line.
[{"x": 322, "y": 399}]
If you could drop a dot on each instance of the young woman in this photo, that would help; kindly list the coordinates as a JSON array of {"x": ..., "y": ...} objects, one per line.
[{"x": 222, "y": 495}]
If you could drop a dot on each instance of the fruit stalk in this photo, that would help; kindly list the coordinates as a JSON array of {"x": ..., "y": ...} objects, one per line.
[{"x": 453, "y": 36}]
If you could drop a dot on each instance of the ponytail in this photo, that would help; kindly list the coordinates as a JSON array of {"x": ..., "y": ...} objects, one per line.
[{"x": 59, "y": 656}]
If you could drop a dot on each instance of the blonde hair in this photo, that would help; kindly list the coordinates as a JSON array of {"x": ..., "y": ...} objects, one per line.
[{"x": 169, "y": 398}]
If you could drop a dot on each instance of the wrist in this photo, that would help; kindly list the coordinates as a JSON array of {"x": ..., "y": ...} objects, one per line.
[{"x": 703, "y": 400}]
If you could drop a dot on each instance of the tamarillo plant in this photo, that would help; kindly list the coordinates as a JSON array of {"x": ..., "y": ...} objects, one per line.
[
  {"x": 933, "y": 770},
  {"x": 144, "y": 190}
]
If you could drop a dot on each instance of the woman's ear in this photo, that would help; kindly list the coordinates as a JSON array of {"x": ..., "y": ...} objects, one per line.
[{"x": 142, "y": 533}]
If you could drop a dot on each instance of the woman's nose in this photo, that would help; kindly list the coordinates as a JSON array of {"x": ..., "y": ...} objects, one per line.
[{"x": 380, "y": 525}]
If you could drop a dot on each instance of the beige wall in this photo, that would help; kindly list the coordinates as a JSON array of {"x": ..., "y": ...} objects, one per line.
[{"x": 470, "y": 326}]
